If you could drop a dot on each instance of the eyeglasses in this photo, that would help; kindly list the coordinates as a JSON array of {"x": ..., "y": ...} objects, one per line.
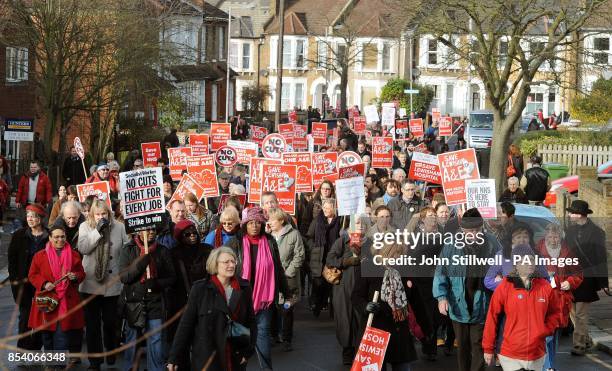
[{"x": 227, "y": 223}]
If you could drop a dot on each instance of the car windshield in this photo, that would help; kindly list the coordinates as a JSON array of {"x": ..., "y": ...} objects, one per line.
[{"x": 481, "y": 121}]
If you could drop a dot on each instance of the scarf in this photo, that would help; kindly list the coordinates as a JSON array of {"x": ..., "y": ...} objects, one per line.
[
  {"x": 152, "y": 266},
  {"x": 102, "y": 255},
  {"x": 393, "y": 293},
  {"x": 60, "y": 265},
  {"x": 264, "y": 283},
  {"x": 219, "y": 235},
  {"x": 233, "y": 314}
]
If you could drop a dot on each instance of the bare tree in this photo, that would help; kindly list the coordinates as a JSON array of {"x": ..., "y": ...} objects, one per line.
[{"x": 507, "y": 43}]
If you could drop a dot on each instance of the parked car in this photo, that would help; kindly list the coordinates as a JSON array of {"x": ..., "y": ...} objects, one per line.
[
  {"x": 537, "y": 217},
  {"x": 479, "y": 129},
  {"x": 570, "y": 183},
  {"x": 604, "y": 171}
]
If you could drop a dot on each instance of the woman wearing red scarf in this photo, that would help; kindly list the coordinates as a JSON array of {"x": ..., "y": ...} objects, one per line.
[
  {"x": 65, "y": 323},
  {"x": 259, "y": 263},
  {"x": 223, "y": 295}
]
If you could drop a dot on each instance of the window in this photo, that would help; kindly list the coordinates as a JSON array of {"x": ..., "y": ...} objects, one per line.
[
  {"x": 551, "y": 102},
  {"x": 299, "y": 53},
  {"x": 16, "y": 64},
  {"x": 202, "y": 44},
  {"x": 369, "y": 57},
  {"x": 449, "y": 98},
  {"x": 340, "y": 54},
  {"x": 234, "y": 55},
  {"x": 299, "y": 95},
  {"x": 386, "y": 57},
  {"x": 286, "y": 97},
  {"x": 432, "y": 52},
  {"x": 503, "y": 53},
  {"x": 436, "y": 97},
  {"x": 535, "y": 102},
  {"x": 536, "y": 47},
  {"x": 287, "y": 54},
  {"x": 246, "y": 56},
  {"x": 321, "y": 54},
  {"x": 221, "y": 41},
  {"x": 601, "y": 46}
]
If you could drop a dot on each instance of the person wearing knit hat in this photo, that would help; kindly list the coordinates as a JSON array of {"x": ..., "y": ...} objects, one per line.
[
  {"x": 38, "y": 209},
  {"x": 259, "y": 263}
]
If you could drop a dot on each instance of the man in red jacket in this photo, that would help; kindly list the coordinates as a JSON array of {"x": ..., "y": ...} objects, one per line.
[
  {"x": 532, "y": 313},
  {"x": 34, "y": 187}
]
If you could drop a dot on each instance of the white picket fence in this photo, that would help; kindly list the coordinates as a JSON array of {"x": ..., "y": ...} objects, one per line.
[{"x": 575, "y": 155}]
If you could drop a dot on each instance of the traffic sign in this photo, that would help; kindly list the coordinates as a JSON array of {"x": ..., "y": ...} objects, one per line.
[{"x": 411, "y": 91}]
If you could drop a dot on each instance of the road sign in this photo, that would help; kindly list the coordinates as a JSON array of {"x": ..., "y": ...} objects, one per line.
[{"x": 411, "y": 91}]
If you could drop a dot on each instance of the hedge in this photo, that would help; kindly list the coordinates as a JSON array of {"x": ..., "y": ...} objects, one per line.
[{"x": 528, "y": 142}]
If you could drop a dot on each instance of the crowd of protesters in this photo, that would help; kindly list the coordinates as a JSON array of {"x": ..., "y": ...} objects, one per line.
[{"x": 218, "y": 283}]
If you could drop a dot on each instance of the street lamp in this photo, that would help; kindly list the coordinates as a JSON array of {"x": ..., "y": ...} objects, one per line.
[{"x": 227, "y": 64}]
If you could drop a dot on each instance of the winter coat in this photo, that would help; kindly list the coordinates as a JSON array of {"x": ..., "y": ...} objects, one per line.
[
  {"x": 291, "y": 250},
  {"x": 280, "y": 280},
  {"x": 503, "y": 270},
  {"x": 40, "y": 273},
  {"x": 189, "y": 266},
  {"x": 588, "y": 243},
  {"x": 524, "y": 335},
  {"x": 449, "y": 283},
  {"x": 21, "y": 251},
  {"x": 202, "y": 224},
  {"x": 88, "y": 239},
  {"x": 55, "y": 210},
  {"x": 132, "y": 268},
  {"x": 349, "y": 320},
  {"x": 402, "y": 211},
  {"x": 72, "y": 234},
  {"x": 210, "y": 238},
  {"x": 518, "y": 197},
  {"x": 44, "y": 189},
  {"x": 519, "y": 166},
  {"x": 203, "y": 327},
  {"x": 401, "y": 343},
  {"x": 4, "y": 194},
  {"x": 321, "y": 236},
  {"x": 73, "y": 171},
  {"x": 535, "y": 183}
]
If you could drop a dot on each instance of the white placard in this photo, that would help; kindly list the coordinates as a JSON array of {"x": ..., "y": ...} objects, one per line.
[
  {"x": 351, "y": 196},
  {"x": 481, "y": 195},
  {"x": 371, "y": 113}
]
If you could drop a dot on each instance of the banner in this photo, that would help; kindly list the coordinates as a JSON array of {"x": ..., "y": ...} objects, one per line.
[
  {"x": 280, "y": 179},
  {"x": 424, "y": 167},
  {"x": 350, "y": 195},
  {"x": 258, "y": 133},
  {"x": 220, "y": 133},
  {"x": 348, "y": 158},
  {"x": 324, "y": 166},
  {"x": 273, "y": 146},
  {"x": 150, "y": 153},
  {"x": 480, "y": 194},
  {"x": 99, "y": 189},
  {"x": 435, "y": 115},
  {"x": 319, "y": 133},
  {"x": 371, "y": 113},
  {"x": 286, "y": 130},
  {"x": 388, "y": 116},
  {"x": 352, "y": 171},
  {"x": 188, "y": 184},
  {"x": 226, "y": 156},
  {"x": 203, "y": 170},
  {"x": 401, "y": 130},
  {"x": 359, "y": 125},
  {"x": 293, "y": 116},
  {"x": 178, "y": 161},
  {"x": 303, "y": 163},
  {"x": 382, "y": 152},
  {"x": 256, "y": 177},
  {"x": 372, "y": 349},
  {"x": 244, "y": 150},
  {"x": 199, "y": 143},
  {"x": 143, "y": 203},
  {"x": 455, "y": 168},
  {"x": 421, "y": 148},
  {"x": 300, "y": 142},
  {"x": 416, "y": 127},
  {"x": 445, "y": 127}
]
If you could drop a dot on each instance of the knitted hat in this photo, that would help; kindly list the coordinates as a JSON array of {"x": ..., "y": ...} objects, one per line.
[
  {"x": 253, "y": 213},
  {"x": 180, "y": 227},
  {"x": 522, "y": 251},
  {"x": 38, "y": 209},
  {"x": 471, "y": 219}
]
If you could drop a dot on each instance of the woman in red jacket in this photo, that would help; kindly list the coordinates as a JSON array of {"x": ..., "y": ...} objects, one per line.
[
  {"x": 65, "y": 323},
  {"x": 563, "y": 279},
  {"x": 532, "y": 313}
]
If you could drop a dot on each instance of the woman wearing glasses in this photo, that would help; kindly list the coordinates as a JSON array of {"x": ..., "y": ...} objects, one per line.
[{"x": 229, "y": 223}]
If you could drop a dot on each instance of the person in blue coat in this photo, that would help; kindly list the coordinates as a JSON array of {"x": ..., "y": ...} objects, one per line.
[
  {"x": 459, "y": 287},
  {"x": 229, "y": 223}
]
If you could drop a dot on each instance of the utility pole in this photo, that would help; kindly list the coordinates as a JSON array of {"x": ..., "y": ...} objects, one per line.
[{"x": 279, "y": 64}]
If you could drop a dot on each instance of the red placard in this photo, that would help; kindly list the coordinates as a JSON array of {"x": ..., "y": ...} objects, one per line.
[
  {"x": 300, "y": 142},
  {"x": 187, "y": 185},
  {"x": 352, "y": 171},
  {"x": 435, "y": 114},
  {"x": 401, "y": 130},
  {"x": 280, "y": 179},
  {"x": 303, "y": 163},
  {"x": 455, "y": 168},
  {"x": 99, "y": 189},
  {"x": 203, "y": 170},
  {"x": 324, "y": 166},
  {"x": 382, "y": 152},
  {"x": 359, "y": 125},
  {"x": 273, "y": 146},
  {"x": 422, "y": 148},
  {"x": 319, "y": 133},
  {"x": 445, "y": 127},
  {"x": 286, "y": 130},
  {"x": 293, "y": 116},
  {"x": 348, "y": 158},
  {"x": 256, "y": 177},
  {"x": 244, "y": 150},
  {"x": 416, "y": 127},
  {"x": 220, "y": 133},
  {"x": 226, "y": 156},
  {"x": 372, "y": 349},
  {"x": 178, "y": 161},
  {"x": 258, "y": 133},
  {"x": 150, "y": 153},
  {"x": 199, "y": 144},
  {"x": 424, "y": 167}
]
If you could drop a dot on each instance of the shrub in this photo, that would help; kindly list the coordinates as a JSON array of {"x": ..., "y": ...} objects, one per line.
[
  {"x": 394, "y": 90},
  {"x": 596, "y": 107},
  {"x": 528, "y": 142}
]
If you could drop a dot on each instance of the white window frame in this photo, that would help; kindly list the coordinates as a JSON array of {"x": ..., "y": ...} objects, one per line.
[
  {"x": 17, "y": 64},
  {"x": 321, "y": 54},
  {"x": 221, "y": 43},
  {"x": 594, "y": 51},
  {"x": 292, "y": 41},
  {"x": 248, "y": 56},
  {"x": 290, "y": 83},
  {"x": 237, "y": 55}
]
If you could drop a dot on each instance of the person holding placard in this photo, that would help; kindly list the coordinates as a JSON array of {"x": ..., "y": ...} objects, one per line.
[{"x": 73, "y": 170}]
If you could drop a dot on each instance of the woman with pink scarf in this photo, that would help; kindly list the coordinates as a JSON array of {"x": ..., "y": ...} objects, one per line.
[
  {"x": 259, "y": 263},
  {"x": 57, "y": 270}
]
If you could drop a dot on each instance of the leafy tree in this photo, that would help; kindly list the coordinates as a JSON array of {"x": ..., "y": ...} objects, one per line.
[
  {"x": 394, "y": 90},
  {"x": 172, "y": 110},
  {"x": 596, "y": 107},
  {"x": 254, "y": 98}
]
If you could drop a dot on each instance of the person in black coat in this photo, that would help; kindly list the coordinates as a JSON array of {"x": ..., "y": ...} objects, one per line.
[
  {"x": 24, "y": 244},
  {"x": 145, "y": 276},
  {"x": 587, "y": 242},
  {"x": 172, "y": 139},
  {"x": 513, "y": 193},
  {"x": 73, "y": 170}
]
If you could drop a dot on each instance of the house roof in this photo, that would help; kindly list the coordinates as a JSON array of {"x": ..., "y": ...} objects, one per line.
[{"x": 209, "y": 71}]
